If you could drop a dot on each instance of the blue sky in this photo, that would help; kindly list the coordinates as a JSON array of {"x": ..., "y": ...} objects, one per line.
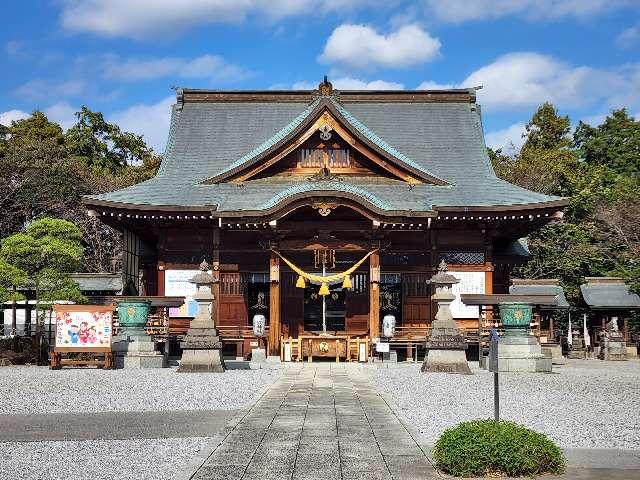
[{"x": 123, "y": 56}]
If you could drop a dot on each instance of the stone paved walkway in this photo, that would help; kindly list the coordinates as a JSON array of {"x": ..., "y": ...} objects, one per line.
[{"x": 324, "y": 422}]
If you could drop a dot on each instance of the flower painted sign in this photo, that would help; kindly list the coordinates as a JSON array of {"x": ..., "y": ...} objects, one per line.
[{"x": 83, "y": 327}]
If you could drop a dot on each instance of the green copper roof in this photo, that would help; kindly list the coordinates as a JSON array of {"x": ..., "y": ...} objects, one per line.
[
  {"x": 368, "y": 133},
  {"x": 270, "y": 142},
  {"x": 331, "y": 186}
]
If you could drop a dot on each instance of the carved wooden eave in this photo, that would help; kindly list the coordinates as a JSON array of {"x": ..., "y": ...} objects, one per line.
[{"x": 325, "y": 114}]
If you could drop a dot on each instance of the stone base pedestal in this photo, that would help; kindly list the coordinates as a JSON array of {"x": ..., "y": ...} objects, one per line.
[
  {"x": 390, "y": 356},
  {"x": 258, "y": 355},
  {"x": 522, "y": 354},
  {"x": 136, "y": 351},
  {"x": 446, "y": 361},
  {"x": 614, "y": 349},
  {"x": 194, "y": 361},
  {"x": 577, "y": 353},
  {"x": 632, "y": 351},
  {"x": 201, "y": 351},
  {"x": 556, "y": 353}
]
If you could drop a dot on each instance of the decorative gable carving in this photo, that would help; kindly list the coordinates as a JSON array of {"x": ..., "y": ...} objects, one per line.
[{"x": 327, "y": 140}]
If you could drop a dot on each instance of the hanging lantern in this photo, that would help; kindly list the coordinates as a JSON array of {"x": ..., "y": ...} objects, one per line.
[
  {"x": 300, "y": 283},
  {"x": 346, "y": 283},
  {"x": 324, "y": 289}
]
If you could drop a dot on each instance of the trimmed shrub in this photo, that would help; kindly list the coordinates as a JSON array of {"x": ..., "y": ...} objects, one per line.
[{"x": 490, "y": 448}]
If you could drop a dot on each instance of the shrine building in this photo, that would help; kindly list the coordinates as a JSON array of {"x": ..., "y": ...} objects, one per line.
[{"x": 264, "y": 185}]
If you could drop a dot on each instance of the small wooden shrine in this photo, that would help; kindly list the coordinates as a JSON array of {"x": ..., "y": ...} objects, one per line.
[{"x": 324, "y": 210}]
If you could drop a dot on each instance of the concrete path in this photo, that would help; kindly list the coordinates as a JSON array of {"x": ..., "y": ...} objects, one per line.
[
  {"x": 323, "y": 422},
  {"x": 112, "y": 425}
]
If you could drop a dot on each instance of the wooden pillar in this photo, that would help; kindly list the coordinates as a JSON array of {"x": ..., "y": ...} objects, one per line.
[
  {"x": 552, "y": 336},
  {"x": 374, "y": 294},
  {"x": 274, "y": 305},
  {"x": 160, "y": 278},
  {"x": 215, "y": 271}
]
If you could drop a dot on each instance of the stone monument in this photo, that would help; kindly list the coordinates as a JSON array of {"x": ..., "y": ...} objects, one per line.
[
  {"x": 519, "y": 351},
  {"x": 445, "y": 346},
  {"x": 132, "y": 347},
  {"x": 202, "y": 348},
  {"x": 612, "y": 343},
  {"x": 576, "y": 349}
]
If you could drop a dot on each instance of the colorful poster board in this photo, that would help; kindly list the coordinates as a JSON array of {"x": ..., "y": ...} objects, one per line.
[
  {"x": 469, "y": 282},
  {"x": 83, "y": 327},
  {"x": 176, "y": 283}
]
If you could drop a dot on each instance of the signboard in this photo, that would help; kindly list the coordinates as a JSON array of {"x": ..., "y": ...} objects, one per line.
[
  {"x": 176, "y": 283},
  {"x": 83, "y": 327},
  {"x": 469, "y": 282},
  {"x": 382, "y": 347}
]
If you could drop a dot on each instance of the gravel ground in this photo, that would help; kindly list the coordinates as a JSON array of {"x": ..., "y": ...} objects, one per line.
[
  {"x": 40, "y": 390},
  {"x": 98, "y": 459},
  {"x": 584, "y": 404}
]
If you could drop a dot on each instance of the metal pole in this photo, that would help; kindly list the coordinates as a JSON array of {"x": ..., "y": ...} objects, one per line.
[
  {"x": 493, "y": 367},
  {"x": 496, "y": 397}
]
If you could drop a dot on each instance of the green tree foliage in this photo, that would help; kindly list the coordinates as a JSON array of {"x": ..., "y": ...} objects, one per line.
[
  {"x": 45, "y": 172},
  {"x": 43, "y": 254},
  {"x": 597, "y": 169},
  {"x": 614, "y": 144},
  {"x": 10, "y": 278},
  {"x": 104, "y": 146}
]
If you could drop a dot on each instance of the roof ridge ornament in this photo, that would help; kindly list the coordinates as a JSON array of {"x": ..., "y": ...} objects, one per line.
[
  {"x": 324, "y": 175},
  {"x": 325, "y": 90}
]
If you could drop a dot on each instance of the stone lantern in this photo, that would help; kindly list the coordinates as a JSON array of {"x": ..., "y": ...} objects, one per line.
[
  {"x": 202, "y": 348},
  {"x": 445, "y": 346}
]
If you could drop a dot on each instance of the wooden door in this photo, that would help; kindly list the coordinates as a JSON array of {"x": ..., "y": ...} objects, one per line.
[
  {"x": 233, "y": 307},
  {"x": 357, "y": 305},
  {"x": 416, "y": 296},
  {"x": 292, "y": 305}
]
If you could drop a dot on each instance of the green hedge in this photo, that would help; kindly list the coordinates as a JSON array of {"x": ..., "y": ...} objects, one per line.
[{"x": 487, "y": 447}]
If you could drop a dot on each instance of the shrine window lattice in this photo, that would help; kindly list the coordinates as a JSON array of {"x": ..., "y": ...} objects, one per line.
[
  {"x": 463, "y": 258},
  {"x": 315, "y": 157}
]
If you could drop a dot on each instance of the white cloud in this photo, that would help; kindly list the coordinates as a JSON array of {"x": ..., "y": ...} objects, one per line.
[
  {"x": 62, "y": 113},
  {"x": 151, "y": 18},
  {"x": 11, "y": 116},
  {"x": 429, "y": 85},
  {"x": 527, "y": 79},
  {"x": 131, "y": 69},
  {"x": 458, "y": 11},
  {"x": 360, "y": 46},
  {"x": 44, "y": 89},
  {"x": 629, "y": 37},
  {"x": 509, "y": 139},
  {"x": 346, "y": 83},
  {"x": 150, "y": 121}
]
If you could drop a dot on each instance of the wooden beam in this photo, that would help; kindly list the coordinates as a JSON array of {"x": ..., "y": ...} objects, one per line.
[
  {"x": 374, "y": 294},
  {"x": 274, "y": 305},
  {"x": 215, "y": 269}
]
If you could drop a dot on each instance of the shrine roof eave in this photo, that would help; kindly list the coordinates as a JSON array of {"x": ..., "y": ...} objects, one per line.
[{"x": 480, "y": 212}]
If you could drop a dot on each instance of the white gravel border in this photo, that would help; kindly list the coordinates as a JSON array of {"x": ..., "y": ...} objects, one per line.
[
  {"x": 31, "y": 390},
  {"x": 584, "y": 404},
  {"x": 148, "y": 459}
]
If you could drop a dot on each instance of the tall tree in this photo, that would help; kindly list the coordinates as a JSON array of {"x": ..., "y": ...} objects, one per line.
[
  {"x": 46, "y": 252},
  {"x": 44, "y": 172},
  {"x": 103, "y": 145}
]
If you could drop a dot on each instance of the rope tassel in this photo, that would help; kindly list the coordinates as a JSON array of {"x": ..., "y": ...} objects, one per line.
[
  {"x": 300, "y": 283},
  {"x": 324, "y": 290},
  {"x": 346, "y": 283}
]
